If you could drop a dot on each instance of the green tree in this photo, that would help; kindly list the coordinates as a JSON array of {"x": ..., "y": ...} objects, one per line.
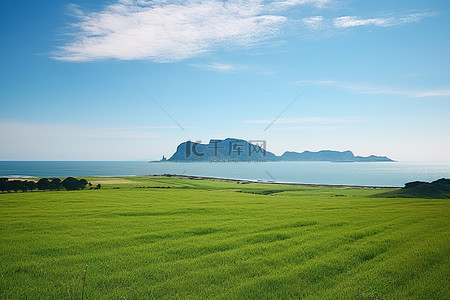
[
  {"x": 3, "y": 184},
  {"x": 31, "y": 185},
  {"x": 71, "y": 184},
  {"x": 55, "y": 184},
  {"x": 14, "y": 185},
  {"x": 82, "y": 183},
  {"x": 43, "y": 184},
  {"x": 23, "y": 186}
]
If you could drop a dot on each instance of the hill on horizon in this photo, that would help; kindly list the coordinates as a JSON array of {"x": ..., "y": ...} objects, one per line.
[
  {"x": 234, "y": 149},
  {"x": 439, "y": 189}
]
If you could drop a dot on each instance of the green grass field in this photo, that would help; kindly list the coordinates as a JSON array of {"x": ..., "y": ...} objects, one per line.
[{"x": 208, "y": 239}]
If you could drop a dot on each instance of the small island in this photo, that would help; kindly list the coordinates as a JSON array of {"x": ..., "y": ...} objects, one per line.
[{"x": 232, "y": 149}]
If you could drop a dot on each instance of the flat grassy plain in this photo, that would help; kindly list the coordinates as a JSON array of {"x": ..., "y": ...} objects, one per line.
[{"x": 159, "y": 237}]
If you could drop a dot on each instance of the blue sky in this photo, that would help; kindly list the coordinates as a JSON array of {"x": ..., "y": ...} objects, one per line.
[{"x": 113, "y": 80}]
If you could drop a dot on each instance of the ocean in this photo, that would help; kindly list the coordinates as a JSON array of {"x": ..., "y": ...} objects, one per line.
[{"x": 345, "y": 173}]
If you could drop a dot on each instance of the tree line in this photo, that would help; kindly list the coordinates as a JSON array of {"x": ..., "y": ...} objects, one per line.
[{"x": 45, "y": 184}]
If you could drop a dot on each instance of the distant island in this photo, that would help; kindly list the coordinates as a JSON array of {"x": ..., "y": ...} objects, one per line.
[{"x": 232, "y": 149}]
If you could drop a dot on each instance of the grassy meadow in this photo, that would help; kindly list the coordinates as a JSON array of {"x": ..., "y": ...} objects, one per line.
[{"x": 164, "y": 238}]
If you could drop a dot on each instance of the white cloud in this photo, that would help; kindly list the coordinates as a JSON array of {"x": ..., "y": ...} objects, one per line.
[
  {"x": 305, "y": 120},
  {"x": 232, "y": 68},
  {"x": 170, "y": 31},
  {"x": 313, "y": 23},
  {"x": 220, "y": 67},
  {"x": 364, "y": 88},
  {"x": 332, "y": 26},
  {"x": 290, "y": 3},
  {"x": 351, "y": 21},
  {"x": 308, "y": 128},
  {"x": 354, "y": 21},
  {"x": 438, "y": 93},
  {"x": 173, "y": 30}
]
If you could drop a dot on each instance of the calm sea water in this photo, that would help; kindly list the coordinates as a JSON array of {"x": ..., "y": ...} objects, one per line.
[{"x": 375, "y": 173}]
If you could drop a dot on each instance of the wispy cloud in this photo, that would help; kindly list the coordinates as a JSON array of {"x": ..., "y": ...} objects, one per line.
[
  {"x": 332, "y": 26},
  {"x": 166, "y": 31},
  {"x": 354, "y": 21},
  {"x": 438, "y": 93},
  {"x": 309, "y": 128},
  {"x": 361, "y": 88},
  {"x": 306, "y": 120},
  {"x": 290, "y": 3},
  {"x": 169, "y": 31},
  {"x": 365, "y": 88},
  {"x": 233, "y": 68},
  {"x": 220, "y": 67},
  {"x": 313, "y": 23}
]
